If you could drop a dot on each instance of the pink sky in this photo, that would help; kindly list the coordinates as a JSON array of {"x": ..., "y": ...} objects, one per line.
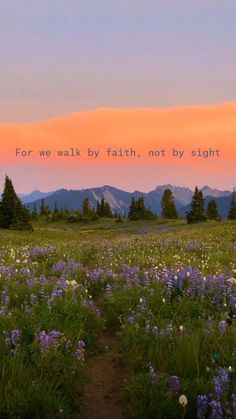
[{"x": 184, "y": 128}]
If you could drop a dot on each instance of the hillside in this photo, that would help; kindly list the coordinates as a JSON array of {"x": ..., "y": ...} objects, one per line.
[{"x": 119, "y": 200}]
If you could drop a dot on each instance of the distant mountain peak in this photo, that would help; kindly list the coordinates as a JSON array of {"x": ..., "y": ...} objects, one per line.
[
  {"x": 34, "y": 196},
  {"x": 215, "y": 193},
  {"x": 120, "y": 199}
]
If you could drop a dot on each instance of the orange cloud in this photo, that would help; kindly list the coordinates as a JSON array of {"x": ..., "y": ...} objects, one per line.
[{"x": 185, "y": 128}]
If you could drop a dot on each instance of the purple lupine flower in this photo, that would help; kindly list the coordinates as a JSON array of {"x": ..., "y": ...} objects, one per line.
[
  {"x": 109, "y": 289},
  {"x": 233, "y": 397},
  {"x": 130, "y": 319},
  {"x": 79, "y": 352},
  {"x": 162, "y": 333},
  {"x": 43, "y": 341},
  {"x": 11, "y": 342},
  {"x": 143, "y": 304},
  {"x": 57, "y": 294},
  {"x": 58, "y": 266},
  {"x": 54, "y": 336},
  {"x": 15, "y": 336},
  {"x": 208, "y": 330},
  {"x": 29, "y": 311},
  {"x": 42, "y": 279},
  {"x": 202, "y": 406},
  {"x": 218, "y": 389},
  {"x": 224, "y": 375},
  {"x": 49, "y": 340},
  {"x": 222, "y": 326},
  {"x": 4, "y": 270},
  {"x": 155, "y": 330},
  {"x": 216, "y": 410},
  {"x": 152, "y": 373},
  {"x": 61, "y": 284},
  {"x": 94, "y": 275},
  {"x": 26, "y": 272},
  {"x": 42, "y": 292},
  {"x": 169, "y": 281},
  {"x": 40, "y": 252},
  {"x": 169, "y": 329},
  {"x": 174, "y": 383},
  {"x": 3, "y": 311},
  {"x": 5, "y": 298},
  {"x": 34, "y": 298},
  {"x": 221, "y": 382}
]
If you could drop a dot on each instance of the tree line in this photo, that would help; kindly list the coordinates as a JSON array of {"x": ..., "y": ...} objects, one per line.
[
  {"x": 197, "y": 212},
  {"x": 15, "y": 215},
  {"x": 86, "y": 213}
]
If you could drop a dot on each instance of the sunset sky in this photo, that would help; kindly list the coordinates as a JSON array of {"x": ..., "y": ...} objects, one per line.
[{"x": 154, "y": 73}]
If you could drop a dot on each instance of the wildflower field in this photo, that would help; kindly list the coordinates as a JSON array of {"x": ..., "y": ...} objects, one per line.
[{"x": 168, "y": 293}]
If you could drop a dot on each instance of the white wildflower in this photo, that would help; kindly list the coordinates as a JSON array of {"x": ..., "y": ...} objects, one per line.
[{"x": 183, "y": 400}]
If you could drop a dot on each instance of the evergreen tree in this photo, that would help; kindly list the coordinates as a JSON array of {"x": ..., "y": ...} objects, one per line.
[
  {"x": 55, "y": 214},
  {"x": 108, "y": 211},
  {"x": 34, "y": 213},
  {"x": 212, "y": 210},
  {"x": 132, "y": 209},
  {"x": 13, "y": 214},
  {"x": 232, "y": 209},
  {"x": 196, "y": 213},
  {"x": 64, "y": 213},
  {"x": 47, "y": 210},
  {"x": 42, "y": 208},
  {"x": 168, "y": 205},
  {"x": 98, "y": 210},
  {"x": 104, "y": 209},
  {"x": 21, "y": 218},
  {"x": 55, "y": 211},
  {"x": 141, "y": 209},
  {"x": 86, "y": 206},
  {"x": 138, "y": 211}
]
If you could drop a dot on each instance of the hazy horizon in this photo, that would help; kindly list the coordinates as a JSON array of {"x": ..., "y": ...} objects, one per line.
[{"x": 125, "y": 190}]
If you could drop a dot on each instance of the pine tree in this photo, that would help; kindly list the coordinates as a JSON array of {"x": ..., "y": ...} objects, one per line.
[
  {"x": 138, "y": 211},
  {"x": 98, "y": 210},
  {"x": 168, "y": 205},
  {"x": 21, "y": 218},
  {"x": 141, "y": 209},
  {"x": 55, "y": 214},
  {"x": 42, "y": 208},
  {"x": 232, "y": 209},
  {"x": 108, "y": 212},
  {"x": 64, "y": 213},
  {"x": 102, "y": 208},
  {"x": 212, "y": 210},
  {"x": 86, "y": 206},
  {"x": 47, "y": 210},
  {"x": 196, "y": 213},
  {"x": 133, "y": 210},
  {"x": 13, "y": 214},
  {"x": 34, "y": 213}
]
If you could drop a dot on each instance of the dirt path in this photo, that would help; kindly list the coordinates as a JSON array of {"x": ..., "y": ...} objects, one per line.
[{"x": 104, "y": 397}]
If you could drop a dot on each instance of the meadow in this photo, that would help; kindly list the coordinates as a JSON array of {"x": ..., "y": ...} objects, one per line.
[{"x": 168, "y": 291}]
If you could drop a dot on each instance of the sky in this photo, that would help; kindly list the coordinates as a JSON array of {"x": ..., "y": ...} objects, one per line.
[{"x": 70, "y": 56}]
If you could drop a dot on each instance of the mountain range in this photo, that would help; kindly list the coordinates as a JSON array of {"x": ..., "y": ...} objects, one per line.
[{"x": 119, "y": 200}]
